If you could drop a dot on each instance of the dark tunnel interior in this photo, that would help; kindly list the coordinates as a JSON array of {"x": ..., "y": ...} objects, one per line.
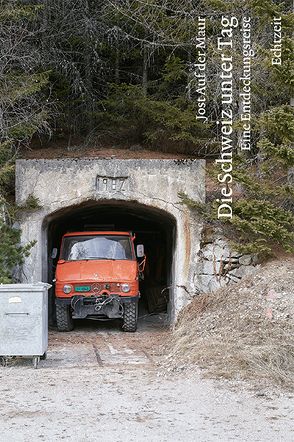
[{"x": 154, "y": 228}]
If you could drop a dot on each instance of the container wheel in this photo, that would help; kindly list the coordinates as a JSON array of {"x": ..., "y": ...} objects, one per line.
[
  {"x": 63, "y": 318},
  {"x": 44, "y": 356},
  {"x": 130, "y": 317}
]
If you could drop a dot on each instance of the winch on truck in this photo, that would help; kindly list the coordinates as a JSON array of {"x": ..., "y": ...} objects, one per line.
[{"x": 97, "y": 276}]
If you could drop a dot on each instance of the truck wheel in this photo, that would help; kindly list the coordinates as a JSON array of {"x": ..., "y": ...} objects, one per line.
[
  {"x": 63, "y": 318},
  {"x": 130, "y": 317}
]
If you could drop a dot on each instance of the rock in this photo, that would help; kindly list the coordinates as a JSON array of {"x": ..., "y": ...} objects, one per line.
[
  {"x": 231, "y": 265},
  {"x": 207, "y": 283},
  {"x": 245, "y": 260},
  {"x": 207, "y": 252},
  {"x": 235, "y": 254},
  {"x": 231, "y": 260},
  {"x": 215, "y": 251},
  {"x": 221, "y": 243},
  {"x": 242, "y": 271},
  {"x": 209, "y": 267},
  {"x": 232, "y": 278}
]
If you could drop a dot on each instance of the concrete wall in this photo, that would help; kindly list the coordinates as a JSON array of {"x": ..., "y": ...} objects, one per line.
[{"x": 153, "y": 183}]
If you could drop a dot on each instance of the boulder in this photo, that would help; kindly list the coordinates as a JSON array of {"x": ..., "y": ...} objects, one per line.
[
  {"x": 242, "y": 271},
  {"x": 245, "y": 260},
  {"x": 209, "y": 267},
  {"x": 208, "y": 283},
  {"x": 215, "y": 251}
]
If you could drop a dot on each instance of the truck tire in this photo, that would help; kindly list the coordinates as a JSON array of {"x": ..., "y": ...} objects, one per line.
[
  {"x": 63, "y": 318},
  {"x": 130, "y": 317}
]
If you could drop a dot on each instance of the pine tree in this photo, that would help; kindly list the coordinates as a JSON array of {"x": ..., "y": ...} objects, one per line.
[{"x": 24, "y": 111}]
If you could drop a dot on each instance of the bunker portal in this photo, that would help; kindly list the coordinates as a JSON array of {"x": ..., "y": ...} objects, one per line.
[{"x": 141, "y": 196}]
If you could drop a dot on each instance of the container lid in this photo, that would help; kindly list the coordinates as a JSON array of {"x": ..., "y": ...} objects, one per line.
[{"x": 34, "y": 287}]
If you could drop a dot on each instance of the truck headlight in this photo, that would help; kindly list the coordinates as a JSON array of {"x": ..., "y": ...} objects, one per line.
[
  {"x": 67, "y": 289},
  {"x": 125, "y": 288}
]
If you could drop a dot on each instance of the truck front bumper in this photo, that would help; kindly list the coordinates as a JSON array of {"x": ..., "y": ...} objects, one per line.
[{"x": 99, "y": 306}]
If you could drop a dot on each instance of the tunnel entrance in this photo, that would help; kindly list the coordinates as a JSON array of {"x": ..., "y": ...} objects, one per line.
[{"x": 153, "y": 227}]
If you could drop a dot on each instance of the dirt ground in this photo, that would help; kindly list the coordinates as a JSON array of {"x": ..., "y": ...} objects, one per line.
[
  {"x": 100, "y": 384},
  {"x": 105, "y": 152}
]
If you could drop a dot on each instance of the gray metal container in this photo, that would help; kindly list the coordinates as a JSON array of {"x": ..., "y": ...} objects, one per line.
[{"x": 23, "y": 319}]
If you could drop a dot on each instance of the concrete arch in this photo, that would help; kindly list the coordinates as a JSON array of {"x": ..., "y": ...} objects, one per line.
[{"x": 155, "y": 228}]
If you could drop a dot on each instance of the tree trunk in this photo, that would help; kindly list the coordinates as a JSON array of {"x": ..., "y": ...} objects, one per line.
[
  {"x": 145, "y": 71},
  {"x": 88, "y": 71},
  {"x": 116, "y": 72},
  {"x": 189, "y": 78}
]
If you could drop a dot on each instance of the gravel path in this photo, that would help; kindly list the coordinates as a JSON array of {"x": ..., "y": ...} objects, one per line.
[{"x": 99, "y": 384}]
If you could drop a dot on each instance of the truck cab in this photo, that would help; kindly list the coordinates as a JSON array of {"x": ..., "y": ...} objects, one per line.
[{"x": 97, "y": 276}]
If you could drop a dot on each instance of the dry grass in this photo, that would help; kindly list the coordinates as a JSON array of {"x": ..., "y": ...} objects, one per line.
[{"x": 243, "y": 331}]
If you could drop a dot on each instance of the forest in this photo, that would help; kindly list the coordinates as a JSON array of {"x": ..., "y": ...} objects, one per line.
[{"x": 122, "y": 73}]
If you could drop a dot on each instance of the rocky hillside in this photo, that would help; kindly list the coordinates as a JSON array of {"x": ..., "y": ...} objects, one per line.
[{"x": 244, "y": 331}]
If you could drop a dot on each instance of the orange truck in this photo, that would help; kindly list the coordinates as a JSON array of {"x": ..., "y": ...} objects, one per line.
[{"x": 97, "y": 277}]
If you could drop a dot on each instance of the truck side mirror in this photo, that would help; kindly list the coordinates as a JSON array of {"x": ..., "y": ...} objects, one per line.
[
  {"x": 140, "y": 251},
  {"x": 54, "y": 253}
]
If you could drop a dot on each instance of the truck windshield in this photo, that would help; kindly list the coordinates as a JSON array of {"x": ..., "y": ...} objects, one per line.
[{"x": 75, "y": 248}]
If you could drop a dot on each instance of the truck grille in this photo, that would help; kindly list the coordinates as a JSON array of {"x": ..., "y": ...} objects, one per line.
[{"x": 98, "y": 287}]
